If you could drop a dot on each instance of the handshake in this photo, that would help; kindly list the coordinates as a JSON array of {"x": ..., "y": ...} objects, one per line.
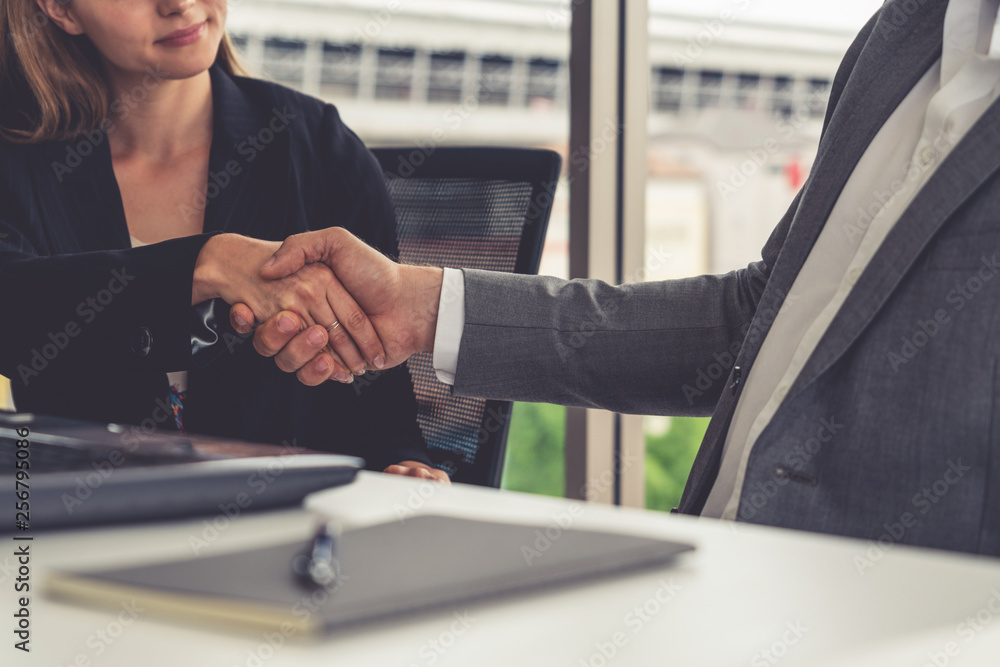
[{"x": 325, "y": 305}]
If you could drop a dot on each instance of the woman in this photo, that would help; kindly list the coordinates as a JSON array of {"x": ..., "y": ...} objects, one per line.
[{"x": 137, "y": 172}]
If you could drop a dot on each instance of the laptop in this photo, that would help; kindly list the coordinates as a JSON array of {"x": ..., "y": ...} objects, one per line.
[{"x": 64, "y": 473}]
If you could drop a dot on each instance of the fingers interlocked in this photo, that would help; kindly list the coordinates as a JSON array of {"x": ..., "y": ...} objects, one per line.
[{"x": 299, "y": 340}]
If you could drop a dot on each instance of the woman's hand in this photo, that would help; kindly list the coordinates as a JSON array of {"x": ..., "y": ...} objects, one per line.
[
  {"x": 228, "y": 267},
  {"x": 401, "y": 302},
  {"x": 418, "y": 470}
]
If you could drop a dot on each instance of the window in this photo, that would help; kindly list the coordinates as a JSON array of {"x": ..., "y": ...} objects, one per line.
[
  {"x": 818, "y": 94},
  {"x": 284, "y": 60},
  {"x": 747, "y": 91},
  {"x": 447, "y": 77},
  {"x": 709, "y": 89},
  {"x": 782, "y": 97},
  {"x": 543, "y": 81},
  {"x": 394, "y": 77},
  {"x": 341, "y": 70},
  {"x": 495, "y": 77},
  {"x": 668, "y": 89}
]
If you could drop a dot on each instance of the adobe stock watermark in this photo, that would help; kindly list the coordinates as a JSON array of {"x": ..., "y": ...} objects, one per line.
[
  {"x": 605, "y": 480},
  {"x": 922, "y": 502},
  {"x": 87, "y": 484},
  {"x": 574, "y": 340},
  {"x": 100, "y": 641},
  {"x": 929, "y": 158},
  {"x": 304, "y": 609},
  {"x": 248, "y": 150},
  {"x": 926, "y": 330},
  {"x": 435, "y": 648},
  {"x": 162, "y": 412},
  {"x": 417, "y": 498},
  {"x": 635, "y": 621},
  {"x": 757, "y": 158},
  {"x": 258, "y": 482},
  {"x": 560, "y": 17},
  {"x": 765, "y": 316},
  {"x": 722, "y": 362},
  {"x": 57, "y": 341},
  {"x": 379, "y": 20},
  {"x": 779, "y": 649},
  {"x": 455, "y": 116},
  {"x": 120, "y": 108},
  {"x": 966, "y": 632},
  {"x": 550, "y": 534},
  {"x": 710, "y": 33},
  {"x": 32, "y": 26},
  {"x": 755, "y": 498},
  {"x": 560, "y": 522},
  {"x": 894, "y": 18},
  {"x": 719, "y": 369}
]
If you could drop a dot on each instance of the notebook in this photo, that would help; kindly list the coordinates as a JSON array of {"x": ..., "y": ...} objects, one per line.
[
  {"x": 73, "y": 473},
  {"x": 424, "y": 562}
]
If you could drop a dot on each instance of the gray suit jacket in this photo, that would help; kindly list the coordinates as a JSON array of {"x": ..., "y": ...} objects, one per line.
[{"x": 892, "y": 430}]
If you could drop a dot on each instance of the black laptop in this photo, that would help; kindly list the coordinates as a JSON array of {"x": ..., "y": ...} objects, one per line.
[{"x": 62, "y": 473}]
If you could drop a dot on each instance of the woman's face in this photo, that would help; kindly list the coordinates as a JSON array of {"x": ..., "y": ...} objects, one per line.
[{"x": 178, "y": 37}]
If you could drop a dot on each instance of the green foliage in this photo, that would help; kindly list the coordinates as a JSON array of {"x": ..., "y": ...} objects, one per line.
[
  {"x": 668, "y": 461},
  {"x": 535, "y": 449}
]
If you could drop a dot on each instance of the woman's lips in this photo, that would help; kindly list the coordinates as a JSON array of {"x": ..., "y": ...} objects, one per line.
[{"x": 184, "y": 36}]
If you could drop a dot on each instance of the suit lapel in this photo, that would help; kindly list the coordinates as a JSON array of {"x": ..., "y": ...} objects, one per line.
[
  {"x": 970, "y": 163},
  {"x": 892, "y": 62},
  {"x": 236, "y": 120},
  {"x": 898, "y": 52},
  {"x": 83, "y": 167}
]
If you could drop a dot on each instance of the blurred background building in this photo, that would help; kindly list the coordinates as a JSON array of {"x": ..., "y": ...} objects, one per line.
[{"x": 735, "y": 111}]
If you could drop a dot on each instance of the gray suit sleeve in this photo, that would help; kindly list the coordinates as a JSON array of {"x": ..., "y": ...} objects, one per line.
[{"x": 644, "y": 348}]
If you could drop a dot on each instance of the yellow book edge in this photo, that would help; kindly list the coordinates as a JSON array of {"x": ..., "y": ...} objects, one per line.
[{"x": 185, "y": 607}]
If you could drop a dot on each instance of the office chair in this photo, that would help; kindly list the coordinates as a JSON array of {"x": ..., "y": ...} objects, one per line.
[{"x": 480, "y": 208}]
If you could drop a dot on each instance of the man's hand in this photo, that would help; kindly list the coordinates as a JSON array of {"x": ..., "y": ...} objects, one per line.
[
  {"x": 228, "y": 267},
  {"x": 418, "y": 470},
  {"x": 401, "y": 302}
]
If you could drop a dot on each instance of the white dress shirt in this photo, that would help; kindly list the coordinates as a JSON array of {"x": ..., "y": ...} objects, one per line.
[{"x": 928, "y": 123}]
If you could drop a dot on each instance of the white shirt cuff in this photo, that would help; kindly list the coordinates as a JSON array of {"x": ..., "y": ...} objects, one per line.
[{"x": 450, "y": 325}]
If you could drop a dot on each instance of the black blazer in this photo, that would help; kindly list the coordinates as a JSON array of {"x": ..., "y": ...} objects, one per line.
[{"x": 90, "y": 326}]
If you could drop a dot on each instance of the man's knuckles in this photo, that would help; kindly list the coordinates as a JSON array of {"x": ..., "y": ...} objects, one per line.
[{"x": 355, "y": 320}]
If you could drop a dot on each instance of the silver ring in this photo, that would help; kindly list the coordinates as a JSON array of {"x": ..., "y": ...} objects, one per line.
[{"x": 333, "y": 327}]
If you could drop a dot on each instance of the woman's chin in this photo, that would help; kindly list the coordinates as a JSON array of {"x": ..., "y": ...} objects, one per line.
[
  {"x": 188, "y": 61},
  {"x": 186, "y": 66}
]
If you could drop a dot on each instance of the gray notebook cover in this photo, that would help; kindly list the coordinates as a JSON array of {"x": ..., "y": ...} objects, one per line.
[{"x": 386, "y": 569}]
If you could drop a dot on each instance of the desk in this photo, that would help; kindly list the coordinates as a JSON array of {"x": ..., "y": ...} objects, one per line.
[{"x": 747, "y": 590}]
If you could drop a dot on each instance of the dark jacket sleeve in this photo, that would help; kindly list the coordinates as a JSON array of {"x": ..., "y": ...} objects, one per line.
[{"x": 90, "y": 311}]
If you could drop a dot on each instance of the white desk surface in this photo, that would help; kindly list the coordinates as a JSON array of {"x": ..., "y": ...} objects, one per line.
[{"x": 745, "y": 591}]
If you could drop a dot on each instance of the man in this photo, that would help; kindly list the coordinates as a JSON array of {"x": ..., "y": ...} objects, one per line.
[{"x": 862, "y": 391}]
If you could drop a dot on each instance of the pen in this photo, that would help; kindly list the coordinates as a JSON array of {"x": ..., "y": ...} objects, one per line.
[{"x": 319, "y": 567}]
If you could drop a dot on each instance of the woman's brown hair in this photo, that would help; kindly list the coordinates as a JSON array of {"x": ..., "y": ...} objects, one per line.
[{"x": 52, "y": 85}]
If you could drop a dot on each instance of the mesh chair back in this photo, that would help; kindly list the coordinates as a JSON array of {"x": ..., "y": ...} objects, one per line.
[{"x": 480, "y": 208}]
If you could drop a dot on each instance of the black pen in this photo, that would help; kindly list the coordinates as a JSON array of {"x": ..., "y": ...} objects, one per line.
[{"x": 319, "y": 567}]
